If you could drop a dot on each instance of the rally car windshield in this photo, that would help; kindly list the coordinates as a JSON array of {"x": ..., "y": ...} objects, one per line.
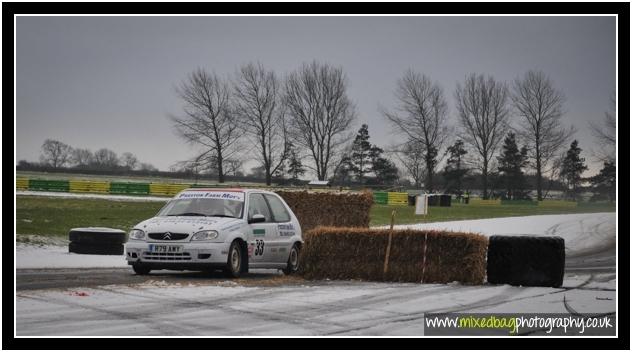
[{"x": 203, "y": 207}]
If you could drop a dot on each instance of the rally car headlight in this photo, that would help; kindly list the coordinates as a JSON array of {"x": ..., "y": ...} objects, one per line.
[
  {"x": 136, "y": 234},
  {"x": 204, "y": 235}
]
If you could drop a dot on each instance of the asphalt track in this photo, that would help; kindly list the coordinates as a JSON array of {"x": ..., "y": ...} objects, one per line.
[{"x": 599, "y": 261}]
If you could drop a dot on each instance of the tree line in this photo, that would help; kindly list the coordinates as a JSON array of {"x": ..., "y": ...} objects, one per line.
[
  {"x": 307, "y": 116},
  {"x": 58, "y": 155},
  {"x": 505, "y": 133}
]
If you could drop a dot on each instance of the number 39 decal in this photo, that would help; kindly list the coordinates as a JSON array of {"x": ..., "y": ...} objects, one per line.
[{"x": 259, "y": 247}]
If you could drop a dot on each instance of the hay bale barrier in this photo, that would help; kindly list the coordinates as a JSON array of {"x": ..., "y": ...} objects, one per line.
[
  {"x": 415, "y": 256},
  {"x": 329, "y": 209}
]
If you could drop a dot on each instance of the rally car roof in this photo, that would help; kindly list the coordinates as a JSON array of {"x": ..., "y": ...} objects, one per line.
[{"x": 244, "y": 190}]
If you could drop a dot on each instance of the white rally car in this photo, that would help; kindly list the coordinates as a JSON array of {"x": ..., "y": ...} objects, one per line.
[{"x": 208, "y": 229}]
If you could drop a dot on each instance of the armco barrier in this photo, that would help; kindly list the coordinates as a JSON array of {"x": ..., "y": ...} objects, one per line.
[
  {"x": 396, "y": 198},
  {"x": 164, "y": 189},
  {"x": 380, "y": 197},
  {"x": 49, "y": 185},
  {"x": 129, "y": 188},
  {"x": 22, "y": 183},
  {"x": 80, "y": 186}
]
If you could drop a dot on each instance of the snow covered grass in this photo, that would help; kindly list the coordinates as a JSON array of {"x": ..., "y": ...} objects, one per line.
[
  {"x": 381, "y": 214},
  {"x": 581, "y": 232}
]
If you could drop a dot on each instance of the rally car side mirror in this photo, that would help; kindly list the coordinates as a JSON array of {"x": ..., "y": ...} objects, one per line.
[{"x": 257, "y": 218}]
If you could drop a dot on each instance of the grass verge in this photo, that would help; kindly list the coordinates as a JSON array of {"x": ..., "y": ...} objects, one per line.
[{"x": 51, "y": 216}]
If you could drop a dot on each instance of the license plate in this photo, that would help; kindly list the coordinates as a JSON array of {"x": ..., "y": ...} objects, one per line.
[{"x": 162, "y": 248}]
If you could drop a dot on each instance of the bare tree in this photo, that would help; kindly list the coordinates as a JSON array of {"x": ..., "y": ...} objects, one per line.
[
  {"x": 539, "y": 107},
  {"x": 106, "y": 158},
  {"x": 82, "y": 157},
  {"x": 319, "y": 112},
  {"x": 128, "y": 160},
  {"x": 260, "y": 109},
  {"x": 233, "y": 167},
  {"x": 411, "y": 155},
  {"x": 208, "y": 119},
  {"x": 482, "y": 106},
  {"x": 55, "y": 153},
  {"x": 422, "y": 117},
  {"x": 606, "y": 133}
]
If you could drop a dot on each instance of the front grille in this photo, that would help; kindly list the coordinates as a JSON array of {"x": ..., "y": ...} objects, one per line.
[
  {"x": 166, "y": 256},
  {"x": 172, "y": 236}
]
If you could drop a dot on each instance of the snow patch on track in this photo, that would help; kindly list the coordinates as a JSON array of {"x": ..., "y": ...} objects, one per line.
[{"x": 29, "y": 256}]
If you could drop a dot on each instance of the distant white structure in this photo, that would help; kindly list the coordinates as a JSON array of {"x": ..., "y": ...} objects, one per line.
[{"x": 319, "y": 183}]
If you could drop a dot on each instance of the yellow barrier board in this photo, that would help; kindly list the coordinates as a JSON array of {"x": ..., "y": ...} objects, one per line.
[
  {"x": 397, "y": 198},
  {"x": 164, "y": 189},
  {"x": 22, "y": 183},
  {"x": 80, "y": 186}
]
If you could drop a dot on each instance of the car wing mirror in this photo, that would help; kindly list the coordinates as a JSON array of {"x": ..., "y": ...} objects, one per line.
[{"x": 257, "y": 218}]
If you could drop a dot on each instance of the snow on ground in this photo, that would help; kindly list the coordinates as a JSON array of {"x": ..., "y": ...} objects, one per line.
[
  {"x": 317, "y": 308},
  {"x": 93, "y": 196},
  {"x": 580, "y": 231},
  {"x": 30, "y": 256}
]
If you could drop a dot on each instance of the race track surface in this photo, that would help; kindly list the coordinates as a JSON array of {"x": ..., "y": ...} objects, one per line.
[{"x": 115, "y": 302}]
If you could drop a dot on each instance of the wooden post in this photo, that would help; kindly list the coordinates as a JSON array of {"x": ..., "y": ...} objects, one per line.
[{"x": 390, "y": 239}]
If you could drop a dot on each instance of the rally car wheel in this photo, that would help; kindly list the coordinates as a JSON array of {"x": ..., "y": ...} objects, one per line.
[
  {"x": 140, "y": 270},
  {"x": 233, "y": 266},
  {"x": 292, "y": 261}
]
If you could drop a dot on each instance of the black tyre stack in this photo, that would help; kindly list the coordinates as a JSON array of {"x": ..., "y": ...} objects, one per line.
[
  {"x": 96, "y": 240},
  {"x": 526, "y": 260}
]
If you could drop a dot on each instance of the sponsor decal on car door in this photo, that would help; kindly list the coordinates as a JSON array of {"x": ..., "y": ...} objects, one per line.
[
  {"x": 262, "y": 233},
  {"x": 284, "y": 229}
]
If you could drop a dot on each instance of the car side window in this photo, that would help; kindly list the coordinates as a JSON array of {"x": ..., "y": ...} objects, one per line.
[
  {"x": 279, "y": 212},
  {"x": 258, "y": 205}
]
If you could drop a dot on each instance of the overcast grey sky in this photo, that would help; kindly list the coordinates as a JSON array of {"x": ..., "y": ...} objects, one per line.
[{"x": 97, "y": 82}]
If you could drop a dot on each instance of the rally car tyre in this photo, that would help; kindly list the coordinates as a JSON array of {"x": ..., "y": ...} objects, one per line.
[
  {"x": 235, "y": 260},
  {"x": 104, "y": 249},
  {"x": 97, "y": 235},
  {"x": 526, "y": 260},
  {"x": 292, "y": 261},
  {"x": 140, "y": 269}
]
